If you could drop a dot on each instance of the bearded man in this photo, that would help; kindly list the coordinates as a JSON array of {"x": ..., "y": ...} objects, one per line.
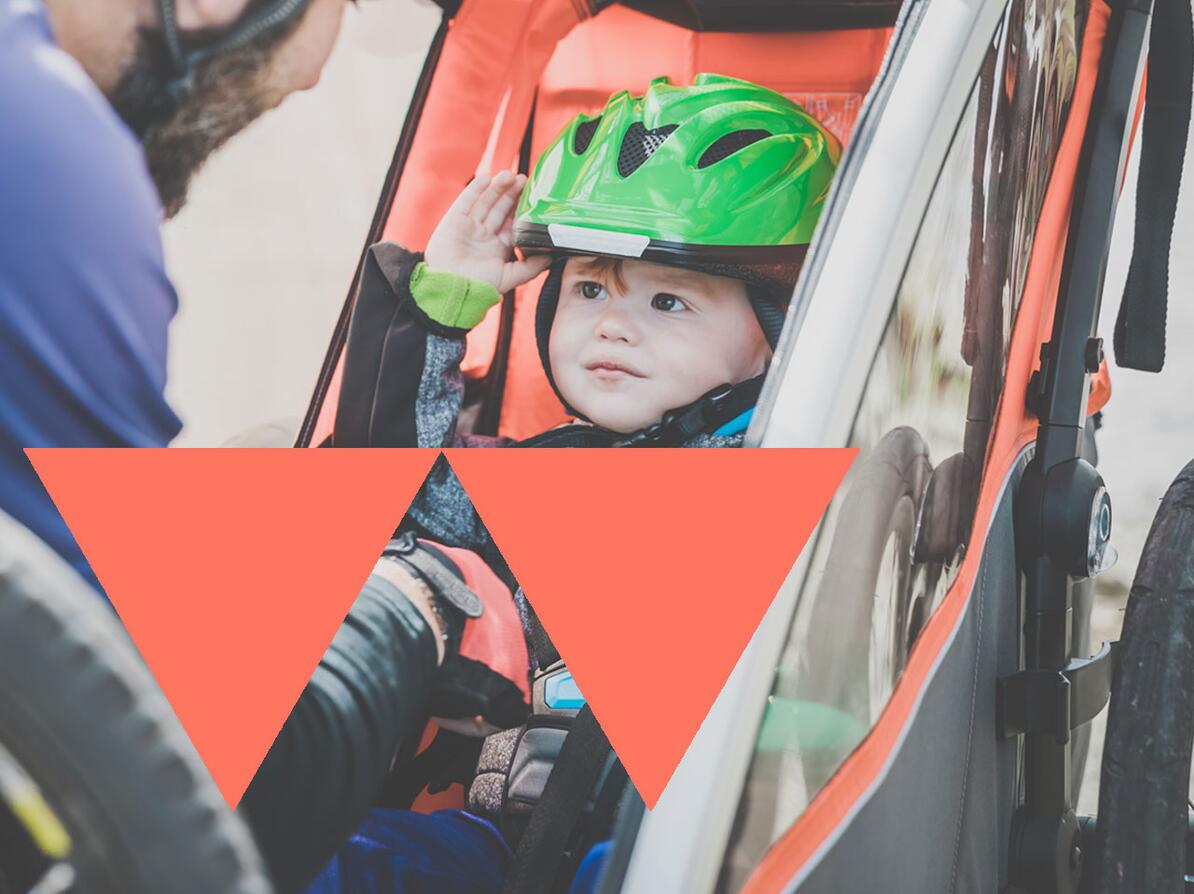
[{"x": 107, "y": 110}]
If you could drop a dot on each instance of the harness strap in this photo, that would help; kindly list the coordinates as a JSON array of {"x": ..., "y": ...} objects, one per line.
[
  {"x": 543, "y": 651},
  {"x": 406, "y": 549},
  {"x": 600, "y": 822},
  {"x": 566, "y": 795},
  {"x": 1140, "y": 326},
  {"x": 707, "y": 414}
]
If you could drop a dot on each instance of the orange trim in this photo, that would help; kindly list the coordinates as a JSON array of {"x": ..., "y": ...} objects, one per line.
[
  {"x": 1100, "y": 390},
  {"x": 1015, "y": 429},
  {"x": 451, "y": 798}
]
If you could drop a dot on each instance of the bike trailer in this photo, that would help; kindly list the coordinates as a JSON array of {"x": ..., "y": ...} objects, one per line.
[{"x": 913, "y": 713}]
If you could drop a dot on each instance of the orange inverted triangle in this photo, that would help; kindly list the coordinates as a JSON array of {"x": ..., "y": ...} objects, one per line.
[
  {"x": 650, "y": 570},
  {"x": 232, "y": 570}
]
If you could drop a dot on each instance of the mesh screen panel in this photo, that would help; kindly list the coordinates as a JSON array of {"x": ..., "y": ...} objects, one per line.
[
  {"x": 639, "y": 144},
  {"x": 584, "y": 135},
  {"x": 723, "y": 147}
]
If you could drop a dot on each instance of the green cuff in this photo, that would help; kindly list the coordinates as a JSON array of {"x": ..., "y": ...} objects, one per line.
[{"x": 451, "y": 300}]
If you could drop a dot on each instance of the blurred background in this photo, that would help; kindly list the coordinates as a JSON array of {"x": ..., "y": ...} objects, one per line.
[{"x": 264, "y": 252}]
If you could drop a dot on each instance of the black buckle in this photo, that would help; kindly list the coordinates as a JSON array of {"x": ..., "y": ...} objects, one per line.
[
  {"x": 678, "y": 425},
  {"x": 1052, "y": 701}
]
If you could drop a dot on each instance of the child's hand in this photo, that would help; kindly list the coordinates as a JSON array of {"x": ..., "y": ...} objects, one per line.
[{"x": 475, "y": 238}]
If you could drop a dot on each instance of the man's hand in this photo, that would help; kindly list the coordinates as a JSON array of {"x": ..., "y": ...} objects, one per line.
[
  {"x": 419, "y": 594},
  {"x": 475, "y": 237}
]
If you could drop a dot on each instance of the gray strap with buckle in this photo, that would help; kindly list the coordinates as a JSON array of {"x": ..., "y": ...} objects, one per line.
[{"x": 445, "y": 584}]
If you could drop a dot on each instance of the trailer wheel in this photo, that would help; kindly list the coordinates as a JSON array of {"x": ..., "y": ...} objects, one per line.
[
  {"x": 862, "y": 614},
  {"x": 101, "y": 790},
  {"x": 1142, "y": 821}
]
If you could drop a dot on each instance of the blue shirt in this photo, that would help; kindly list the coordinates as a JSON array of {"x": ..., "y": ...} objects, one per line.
[{"x": 84, "y": 298}]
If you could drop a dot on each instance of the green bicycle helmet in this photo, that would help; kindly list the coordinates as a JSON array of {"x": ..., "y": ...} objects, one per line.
[
  {"x": 723, "y": 176},
  {"x": 720, "y": 172}
]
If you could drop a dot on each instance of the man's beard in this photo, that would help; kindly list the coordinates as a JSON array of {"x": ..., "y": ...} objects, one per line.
[{"x": 227, "y": 94}]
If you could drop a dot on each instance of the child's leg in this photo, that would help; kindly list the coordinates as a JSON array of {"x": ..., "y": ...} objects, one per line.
[{"x": 402, "y": 852}]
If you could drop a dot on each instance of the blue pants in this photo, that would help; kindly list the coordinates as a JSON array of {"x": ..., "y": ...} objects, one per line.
[
  {"x": 402, "y": 852},
  {"x": 447, "y": 852}
]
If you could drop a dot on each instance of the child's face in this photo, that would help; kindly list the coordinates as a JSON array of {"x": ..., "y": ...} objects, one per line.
[{"x": 625, "y": 352}]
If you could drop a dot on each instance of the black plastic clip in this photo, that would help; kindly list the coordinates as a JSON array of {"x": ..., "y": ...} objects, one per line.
[
  {"x": 676, "y": 426},
  {"x": 1050, "y": 701},
  {"x": 1034, "y": 400}
]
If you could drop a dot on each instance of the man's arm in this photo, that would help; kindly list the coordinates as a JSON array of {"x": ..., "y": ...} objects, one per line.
[
  {"x": 375, "y": 687},
  {"x": 84, "y": 298},
  {"x": 331, "y": 757}
]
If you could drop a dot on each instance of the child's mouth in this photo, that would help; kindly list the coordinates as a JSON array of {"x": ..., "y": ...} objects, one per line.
[{"x": 612, "y": 371}]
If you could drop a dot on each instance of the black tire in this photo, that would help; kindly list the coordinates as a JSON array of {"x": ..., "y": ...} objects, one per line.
[
  {"x": 85, "y": 721},
  {"x": 883, "y": 502},
  {"x": 1142, "y": 818}
]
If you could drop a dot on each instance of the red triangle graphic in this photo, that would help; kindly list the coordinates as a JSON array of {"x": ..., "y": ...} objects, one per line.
[
  {"x": 650, "y": 569},
  {"x": 232, "y": 570}
]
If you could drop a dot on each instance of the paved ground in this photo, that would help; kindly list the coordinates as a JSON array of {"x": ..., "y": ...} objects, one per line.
[{"x": 264, "y": 253}]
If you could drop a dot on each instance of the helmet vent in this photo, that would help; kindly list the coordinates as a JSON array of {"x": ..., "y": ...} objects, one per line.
[
  {"x": 584, "y": 135},
  {"x": 724, "y": 147},
  {"x": 639, "y": 144}
]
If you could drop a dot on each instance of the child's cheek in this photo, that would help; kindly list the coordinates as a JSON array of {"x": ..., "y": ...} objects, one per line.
[
  {"x": 561, "y": 349},
  {"x": 690, "y": 355}
]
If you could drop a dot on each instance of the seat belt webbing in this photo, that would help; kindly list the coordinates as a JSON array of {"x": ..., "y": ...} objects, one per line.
[
  {"x": 1140, "y": 326},
  {"x": 565, "y": 797}
]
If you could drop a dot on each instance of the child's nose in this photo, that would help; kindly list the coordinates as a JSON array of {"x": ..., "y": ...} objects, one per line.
[{"x": 615, "y": 322}]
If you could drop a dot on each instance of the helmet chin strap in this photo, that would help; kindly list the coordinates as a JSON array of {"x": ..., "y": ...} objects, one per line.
[
  {"x": 705, "y": 414},
  {"x": 260, "y": 18},
  {"x": 168, "y": 22}
]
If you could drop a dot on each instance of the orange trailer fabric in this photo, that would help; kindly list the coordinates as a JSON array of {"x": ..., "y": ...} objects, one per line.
[
  {"x": 473, "y": 119},
  {"x": 498, "y": 59},
  {"x": 829, "y": 72}
]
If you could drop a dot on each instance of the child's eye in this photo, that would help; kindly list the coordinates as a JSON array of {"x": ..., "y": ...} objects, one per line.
[
  {"x": 667, "y": 303},
  {"x": 590, "y": 289}
]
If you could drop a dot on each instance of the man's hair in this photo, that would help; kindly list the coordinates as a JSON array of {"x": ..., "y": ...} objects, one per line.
[{"x": 179, "y": 132}]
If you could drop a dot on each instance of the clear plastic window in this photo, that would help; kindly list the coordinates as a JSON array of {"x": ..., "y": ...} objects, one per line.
[{"x": 897, "y": 528}]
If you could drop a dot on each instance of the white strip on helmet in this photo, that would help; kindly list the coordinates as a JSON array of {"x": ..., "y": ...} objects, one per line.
[{"x": 600, "y": 242}]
